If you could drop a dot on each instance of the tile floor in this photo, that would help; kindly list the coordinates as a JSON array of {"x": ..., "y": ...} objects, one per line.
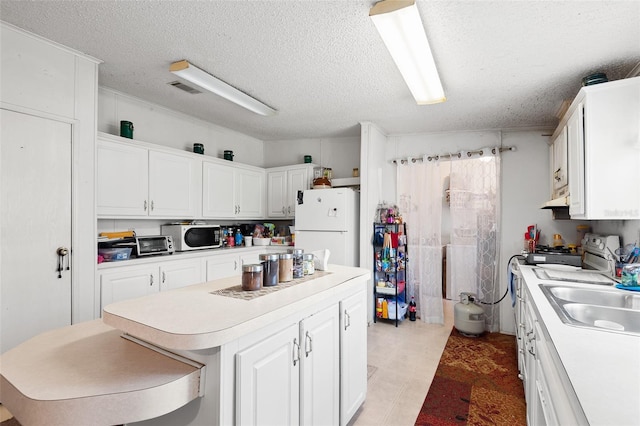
[{"x": 403, "y": 361}]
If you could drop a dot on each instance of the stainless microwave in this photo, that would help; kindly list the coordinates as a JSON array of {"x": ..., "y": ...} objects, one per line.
[{"x": 194, "y": 237}]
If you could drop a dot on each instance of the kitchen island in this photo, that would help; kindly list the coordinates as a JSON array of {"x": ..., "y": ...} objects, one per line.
[{"x": 286, "y": 356}]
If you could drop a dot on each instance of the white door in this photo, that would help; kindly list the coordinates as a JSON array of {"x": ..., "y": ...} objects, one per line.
[
  {"x": 173, "y": 185},
  {"x": 575, "y": 146},
  {"x": 297, "y": 180},
  {"x": 218, "y": 191},
  {"x": 36, "y": 220},
  {"x": 222, "y": 266},
  {"x": 325, "y": 210},
  {"x": 122, "y": 180},
  {"x": 249, "y": 193},
  {"x": 267, "y": 381},
  {"x": 320, "y": 379},
  {"x": 340, "y": 244},
  {"x": 128, "y": 284},
  {"x": 276, "y": 194},
  {"x": 353, "y": 355},
  {"x": 180, "y": 273}
]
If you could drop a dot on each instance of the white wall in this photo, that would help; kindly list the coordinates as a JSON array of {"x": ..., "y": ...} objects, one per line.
[
  {"x": 374, "y": 166},
  {"x": 341, "y": 154},
  {"x": 156, "y": 124},
  {"x": 525, "y": 187}
]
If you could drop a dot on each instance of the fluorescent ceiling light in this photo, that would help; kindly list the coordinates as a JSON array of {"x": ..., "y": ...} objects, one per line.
[
  {"x": 203, "y": 79},
  {"x": 402, "y": 31}
]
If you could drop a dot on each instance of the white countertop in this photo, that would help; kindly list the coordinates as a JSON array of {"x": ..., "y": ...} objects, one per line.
[
  {"x": 192, "y": 318},
  {"x": 181, "y": 255},
  {"x": 603, "y": 367}
]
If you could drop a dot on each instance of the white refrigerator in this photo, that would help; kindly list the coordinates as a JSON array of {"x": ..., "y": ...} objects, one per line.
[{"x": 329, "y": 219}]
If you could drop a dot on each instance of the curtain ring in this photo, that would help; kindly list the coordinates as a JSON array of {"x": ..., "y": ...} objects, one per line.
[
  {"x": 481, "y": 153},
  {"x": 469, "y": 154},
  {"x": 493, "y": 151},
  {"x": 459, "y": 154},
  {"x": 413, "y": 160}
]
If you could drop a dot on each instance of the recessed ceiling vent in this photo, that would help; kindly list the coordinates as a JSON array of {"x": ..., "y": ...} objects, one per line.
[{"x": 186, "y": 88}]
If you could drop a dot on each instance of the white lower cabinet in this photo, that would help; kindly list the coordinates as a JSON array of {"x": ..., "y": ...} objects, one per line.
[
  {"x": 222, "y": 266},
  {"x": 292, "y": 377},
  {"x": 353, "y": 355},
  {"x": 548, "y": 392},
  {"x": 181, "y": 273},
  {"x": 135, "y": 281},
  {"x": 127, "y": 283}
]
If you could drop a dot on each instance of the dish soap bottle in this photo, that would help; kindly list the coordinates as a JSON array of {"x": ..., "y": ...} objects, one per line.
[{"x": 238, "y": 238}]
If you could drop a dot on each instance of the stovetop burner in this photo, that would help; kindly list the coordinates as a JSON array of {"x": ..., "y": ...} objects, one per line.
[{"x": 549, "y": 249}]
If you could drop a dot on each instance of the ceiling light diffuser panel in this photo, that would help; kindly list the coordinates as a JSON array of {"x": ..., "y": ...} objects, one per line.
[
  {"x": 206, "y": 81},
  {"x": 402, "y": 31}
]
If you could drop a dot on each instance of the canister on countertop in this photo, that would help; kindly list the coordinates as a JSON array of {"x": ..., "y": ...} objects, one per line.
[
  {"x": 251, "y": 277},
  {"x": 298, "y": 268},
  {"x": 285, "y": 267},
  {"x": 308, "y": 266},
  {"x": 270, "y": 263}
]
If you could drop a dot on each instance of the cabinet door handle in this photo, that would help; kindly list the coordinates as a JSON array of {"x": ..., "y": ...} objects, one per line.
[
  {"x": 164, "y": 277},
  {"x": 235, "y": 265},
  {"x": 296, "y": 352},
  {"x": 150, "y": 279},
  {"x": 308, "y": 345},
  {"x": 347, "y": 319},
  {"x": 283, "y": 210},
  {"x": 289, "y": 210},
  {"x": 145, "y": 205},
  {"x": 151, "y": 205}
]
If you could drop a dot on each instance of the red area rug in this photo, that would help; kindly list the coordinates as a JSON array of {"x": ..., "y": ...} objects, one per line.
[{"x": 476, "y": 383}]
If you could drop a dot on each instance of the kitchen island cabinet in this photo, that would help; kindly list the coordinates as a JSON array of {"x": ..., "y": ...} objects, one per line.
[
  {"x": 273, "y": 389},
  {"x": 213, "y": 330}
]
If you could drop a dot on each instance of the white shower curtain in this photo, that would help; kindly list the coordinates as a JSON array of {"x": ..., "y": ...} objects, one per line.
[
  {"x": 473, "y": 255},
  {"x": 419, "y": 189}
]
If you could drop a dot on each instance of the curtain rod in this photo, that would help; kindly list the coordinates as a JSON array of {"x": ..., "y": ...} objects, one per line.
[{"x": 459, "y": 154}]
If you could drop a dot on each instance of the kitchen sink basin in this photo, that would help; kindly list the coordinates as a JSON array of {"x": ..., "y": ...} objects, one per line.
[
  {"x": 614, "y": 299},
  {"x": 606, "y": 310}
]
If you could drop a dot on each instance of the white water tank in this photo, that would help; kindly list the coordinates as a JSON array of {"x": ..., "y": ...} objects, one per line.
[{"x": 468, "y": 317}]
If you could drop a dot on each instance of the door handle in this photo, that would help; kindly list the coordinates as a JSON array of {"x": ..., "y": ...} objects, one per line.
[
  {"x": 62, "y": 252},
  {"x": 308, "y": 347},
  {"x": 145, "y": 205},
  {"x": 296, "y": 352},
  {"x": 347, "y": 319}
]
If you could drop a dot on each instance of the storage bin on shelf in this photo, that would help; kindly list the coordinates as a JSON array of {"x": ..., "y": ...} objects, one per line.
[
  {"x": 391, "y": 309},
  {"x": 115, "y": 254}
]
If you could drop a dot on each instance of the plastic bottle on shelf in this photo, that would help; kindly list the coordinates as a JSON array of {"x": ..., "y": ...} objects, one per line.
[{"x": 412, "y": 309}]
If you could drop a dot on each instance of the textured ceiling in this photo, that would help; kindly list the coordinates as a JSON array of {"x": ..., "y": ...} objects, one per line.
[{"x": 323, "y": 66}]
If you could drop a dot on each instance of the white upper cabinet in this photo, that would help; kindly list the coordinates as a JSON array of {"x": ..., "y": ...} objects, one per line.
[
  {"x": 232, "y": 191},
  {"x": 559, "y": 169},
  {"x": 137, "y": 181},
  {"x": 283, "y": 184},
  {"x": 603, "y": 140},
  {"x": 123, "y": 179}
]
